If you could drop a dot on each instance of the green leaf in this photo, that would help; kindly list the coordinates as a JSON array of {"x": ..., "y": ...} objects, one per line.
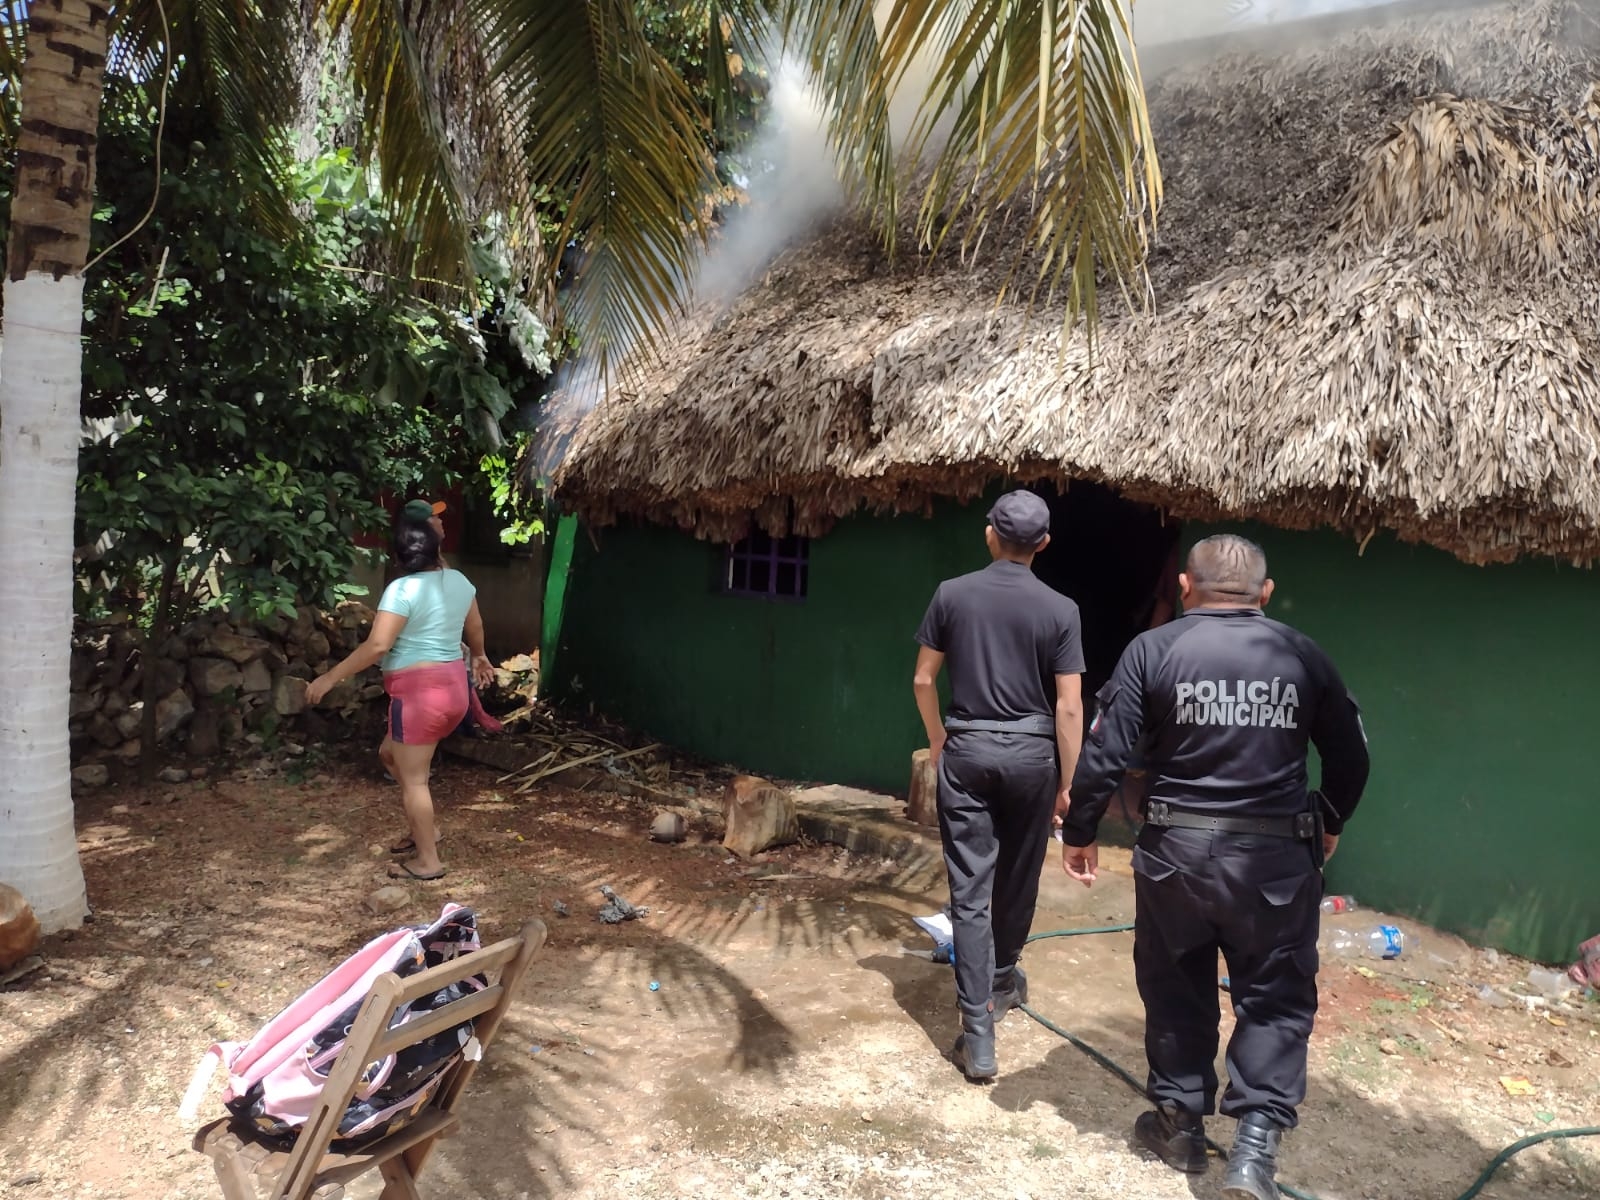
[{"x": 616, "y": 131}]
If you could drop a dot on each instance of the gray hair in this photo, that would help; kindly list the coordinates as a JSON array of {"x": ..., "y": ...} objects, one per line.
[{"x": 1226, "y": 564}]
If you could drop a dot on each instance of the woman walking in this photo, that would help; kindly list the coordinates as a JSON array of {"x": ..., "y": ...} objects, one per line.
[{"x": 423, "y": 618}]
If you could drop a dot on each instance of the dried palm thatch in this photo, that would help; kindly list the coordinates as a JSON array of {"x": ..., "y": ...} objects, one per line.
[{"x": 1376, "y": 310}]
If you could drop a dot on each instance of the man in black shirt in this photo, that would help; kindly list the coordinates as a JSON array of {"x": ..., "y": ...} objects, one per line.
[
  {"x": 1231, "y": 852},
  {"x": 1005, "y": 754}
]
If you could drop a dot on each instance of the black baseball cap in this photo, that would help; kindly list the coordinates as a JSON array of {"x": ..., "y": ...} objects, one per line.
[{"x": 1021, "y": 518}]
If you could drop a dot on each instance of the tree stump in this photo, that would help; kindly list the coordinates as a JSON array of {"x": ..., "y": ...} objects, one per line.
[
  {"x": 19, "y": 928},
  {"x": 922, "y": 806},
  {"x": 759, "y": 814}
]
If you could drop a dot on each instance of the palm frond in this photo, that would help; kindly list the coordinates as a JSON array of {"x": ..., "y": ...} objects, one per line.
[
  {"x": 839, "y": 41},
  {"x": 405, "y": 132},
  {"x": 435, "y": 124},
  {"x": 236, "y": 58},
  {"x": 739, "y": 30},
  {"x": 614, "y": 131},
  {"x": 485, "y": 141},
  {"x": 1039, "y": 105}
]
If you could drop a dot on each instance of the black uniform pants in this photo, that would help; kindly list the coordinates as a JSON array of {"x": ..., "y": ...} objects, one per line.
[
  {"x": 996, "y": 796},
  {"x": 1257, "y": 900}
]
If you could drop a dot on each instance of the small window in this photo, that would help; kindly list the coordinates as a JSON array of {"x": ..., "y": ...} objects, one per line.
[{"x": 776, "y": 568}]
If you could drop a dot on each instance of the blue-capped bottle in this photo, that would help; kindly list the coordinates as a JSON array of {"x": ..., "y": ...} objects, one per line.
[{"x": 1386, "y": 941}]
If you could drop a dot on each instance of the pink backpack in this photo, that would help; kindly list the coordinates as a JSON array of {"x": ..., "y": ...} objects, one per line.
[{"x": 275, "y": 1077}]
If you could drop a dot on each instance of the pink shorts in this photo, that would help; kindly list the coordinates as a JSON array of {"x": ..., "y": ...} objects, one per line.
[{"x": 426, "y": 702}]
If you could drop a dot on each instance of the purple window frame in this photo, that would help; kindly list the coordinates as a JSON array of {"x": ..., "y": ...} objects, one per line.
[{"x": 758, "y": 564}]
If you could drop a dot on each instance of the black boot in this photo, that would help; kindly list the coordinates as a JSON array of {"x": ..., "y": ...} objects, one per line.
[
  {"x": 973, "y": 1052},
  {"x": 1010, "y": 991},
  {"x": 1176, "y": 1137},
  {"x": 1253, "y": 1161}
]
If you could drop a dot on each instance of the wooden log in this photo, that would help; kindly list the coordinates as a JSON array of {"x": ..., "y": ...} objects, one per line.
[
  {"x": 759, "y": 816},
  {"x": 923, "y": 803}
]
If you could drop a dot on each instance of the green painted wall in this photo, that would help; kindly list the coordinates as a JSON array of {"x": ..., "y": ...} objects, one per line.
[
  {"x": 1476, "y": 688},
  {"x": 816, "y": 690},
  {"x": 1481, "y": 816}
]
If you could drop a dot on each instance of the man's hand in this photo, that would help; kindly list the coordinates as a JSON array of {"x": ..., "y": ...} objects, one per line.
[
  {"x": 318, "y": 688},
  {"x": 1330, "y": 843},
  {"x": 1063, "y": 803},
  {"x": 482, "y": 671},
  {"x": 1081, "y": 862},
  {"x": 936, "y": 747}
]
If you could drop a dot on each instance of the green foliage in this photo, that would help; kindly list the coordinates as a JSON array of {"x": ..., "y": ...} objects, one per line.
[
  {"x": 514, "y": 504},
  {"x": 254, "y": 394},
  {"x": 1023, "y": 107},
  {"x": 728, "y": 81}
]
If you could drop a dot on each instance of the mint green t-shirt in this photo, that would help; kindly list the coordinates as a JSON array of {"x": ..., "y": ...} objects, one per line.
[{"x": 435, "y": 606}]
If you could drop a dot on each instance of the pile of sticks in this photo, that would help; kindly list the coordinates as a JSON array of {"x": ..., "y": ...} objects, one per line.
[{"x": 566, "y": 747}]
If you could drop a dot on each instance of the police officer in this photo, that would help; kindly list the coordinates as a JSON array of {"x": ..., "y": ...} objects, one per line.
[
  {"x": 1230, "y": 854},
  {"x": 1014, "y": 651}
]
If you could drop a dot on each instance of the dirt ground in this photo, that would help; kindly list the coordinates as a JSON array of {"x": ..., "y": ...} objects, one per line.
[{"x": 794, "y": 1047}]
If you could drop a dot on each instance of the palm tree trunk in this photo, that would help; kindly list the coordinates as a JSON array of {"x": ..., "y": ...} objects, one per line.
[{"x": 40, "y": 389}]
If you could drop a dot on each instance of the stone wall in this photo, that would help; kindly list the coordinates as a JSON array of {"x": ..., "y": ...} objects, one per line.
[{"x": 219, "y": 683}]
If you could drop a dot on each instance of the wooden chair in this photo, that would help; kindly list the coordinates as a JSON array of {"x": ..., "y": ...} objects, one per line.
[{"x": 249, "y": 1170}]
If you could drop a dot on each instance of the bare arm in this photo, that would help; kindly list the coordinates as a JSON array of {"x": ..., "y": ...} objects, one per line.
[
  {"x": 1118, "y": 722},
  {"x": 925, "y": 686},
  {"x": 386, "y": 626},
  {"x": 473, "y": 631},
  {"x": 1069, "y": 735},
  {"x": 482, "y": 668}
]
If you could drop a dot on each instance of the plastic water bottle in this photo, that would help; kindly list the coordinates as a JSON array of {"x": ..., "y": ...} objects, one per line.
[
  {"x": 1386, "y": 941},
  {"x": 1383, "y": 941},
  {"x": 1554, "y": 984},
  {"x": 1338, "y": 904},
  {"x": 1343, "y": 943}
]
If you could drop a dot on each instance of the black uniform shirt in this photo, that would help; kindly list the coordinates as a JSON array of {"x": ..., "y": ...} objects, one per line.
[
  {"x": 1227, "y": 701},
  {"x": 1005, "y": 637}
]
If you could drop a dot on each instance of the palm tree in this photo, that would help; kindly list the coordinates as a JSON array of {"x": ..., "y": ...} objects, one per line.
[
  {"x": 1025, "y": 103},
  {"x": 40, "y": 383},
  {"x": 1028, "y": 104}
]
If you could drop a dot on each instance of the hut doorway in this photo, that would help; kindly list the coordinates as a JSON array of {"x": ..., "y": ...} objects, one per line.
[{"x": 1118, "y": 560}]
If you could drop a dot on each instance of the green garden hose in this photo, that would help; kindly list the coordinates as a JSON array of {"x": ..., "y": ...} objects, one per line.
[{"x": 1482, "y": 1181}]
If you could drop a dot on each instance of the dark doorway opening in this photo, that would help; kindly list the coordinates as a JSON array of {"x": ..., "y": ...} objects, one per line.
[{"x": 1118, "y": 560}]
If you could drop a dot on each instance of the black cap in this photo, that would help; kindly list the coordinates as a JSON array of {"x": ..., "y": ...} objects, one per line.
[{"x": 1021, "y": 518}]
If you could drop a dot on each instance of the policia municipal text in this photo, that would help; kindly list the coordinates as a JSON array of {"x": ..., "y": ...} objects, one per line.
[{"x": 1223, "y": 702}]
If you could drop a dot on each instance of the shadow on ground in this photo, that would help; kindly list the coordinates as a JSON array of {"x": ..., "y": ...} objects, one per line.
[{"x": 794, "y": 1044}]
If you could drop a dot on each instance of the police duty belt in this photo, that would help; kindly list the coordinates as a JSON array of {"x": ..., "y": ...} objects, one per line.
[
  {"x": 1302, "y": 827},
  {"x": 1039, "y": 726}
]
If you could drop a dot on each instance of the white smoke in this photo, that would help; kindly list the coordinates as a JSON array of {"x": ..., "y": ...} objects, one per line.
[
  {"x": 791, "y": 185},
  {"x": 1160, "y": 23}
]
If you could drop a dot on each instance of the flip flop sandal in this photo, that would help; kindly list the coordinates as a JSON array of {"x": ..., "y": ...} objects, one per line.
[
  {"x": 407, "y": 846},
  {"x": 402, "y": 870}
]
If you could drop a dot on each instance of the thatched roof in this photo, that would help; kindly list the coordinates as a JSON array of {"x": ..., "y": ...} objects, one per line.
[{"x": 1376, "y": 309}]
